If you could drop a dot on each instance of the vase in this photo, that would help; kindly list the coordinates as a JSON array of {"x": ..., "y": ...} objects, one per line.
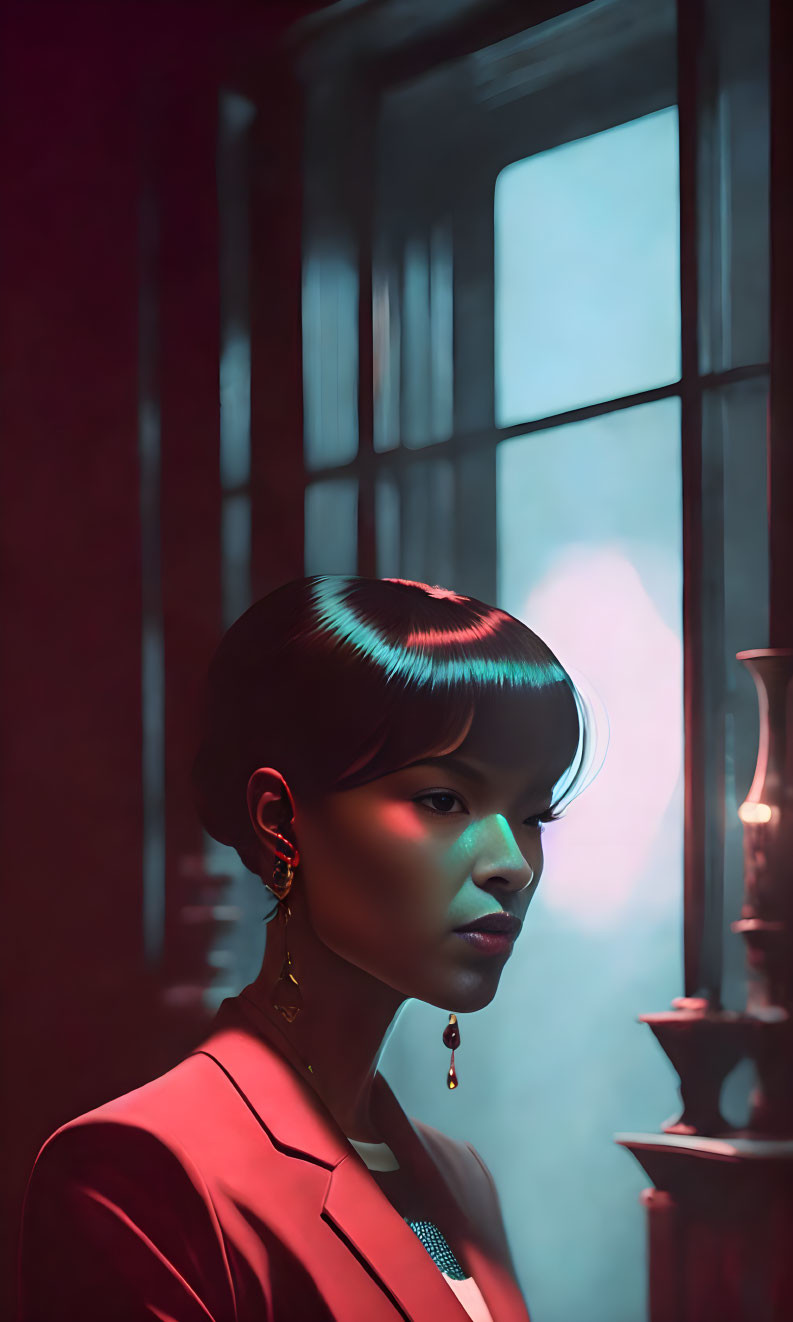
[{"x": 766, "y": 921}]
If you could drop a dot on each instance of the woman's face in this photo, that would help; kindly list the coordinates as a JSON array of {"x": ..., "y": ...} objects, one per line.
[{"x": 392, "y": 867}]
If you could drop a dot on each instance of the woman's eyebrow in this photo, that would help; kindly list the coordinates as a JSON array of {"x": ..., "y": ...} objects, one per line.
[
  {"x": 453, "y": 763},
  {"x": 473, "y": 773}
]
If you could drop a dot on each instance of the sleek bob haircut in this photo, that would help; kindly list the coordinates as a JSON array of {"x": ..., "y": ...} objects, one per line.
[{"x": 336, "y": 680}]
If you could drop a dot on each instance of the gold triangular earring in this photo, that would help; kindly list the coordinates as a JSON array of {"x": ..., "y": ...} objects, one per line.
[{"x": 286, "y": 997}]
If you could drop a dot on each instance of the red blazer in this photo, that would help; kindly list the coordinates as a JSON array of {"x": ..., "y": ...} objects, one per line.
[{"x": 224, "y": 1191}]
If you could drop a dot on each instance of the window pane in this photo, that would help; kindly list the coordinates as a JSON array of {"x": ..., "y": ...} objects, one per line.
[
  {"x": 236, "y": 114},
  {"x": 330, "y": 359},
  {"x": 427, "y": 522},
  {"x": 587, "y": 270},
  {"x": 735, "y": 533},
  {"x": 235, "y": 538},
  {"x": 235, "y": 407},
  {"x": 414, "y": 518},
  {"x": 386, "y": 346},
  {"x": 589, "y": 524},
  {"x": 412, "y": 327},
  {"x": 416, "y": 344},
  {"x": 387, "y": 531},
  {"x": 732, "y": 202},
  {"x": 427, "y": 339},
  {"x": 331, "y": 536}
]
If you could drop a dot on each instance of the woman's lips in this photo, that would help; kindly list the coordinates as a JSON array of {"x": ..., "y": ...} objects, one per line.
[{"x": 489, "y": 943}]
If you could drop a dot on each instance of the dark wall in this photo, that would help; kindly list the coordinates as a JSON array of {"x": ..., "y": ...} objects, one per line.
[{"x": 99, "y": 103}]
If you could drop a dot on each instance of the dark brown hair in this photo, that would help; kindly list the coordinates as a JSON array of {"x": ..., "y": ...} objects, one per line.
[{"x": 337, "y": 680}]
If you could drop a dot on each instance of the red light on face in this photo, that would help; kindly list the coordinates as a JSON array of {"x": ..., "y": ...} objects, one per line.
[{"x": 404, "y": 820}]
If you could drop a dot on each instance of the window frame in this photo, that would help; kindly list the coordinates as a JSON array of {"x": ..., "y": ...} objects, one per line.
[{"x": 346, "y": 80}]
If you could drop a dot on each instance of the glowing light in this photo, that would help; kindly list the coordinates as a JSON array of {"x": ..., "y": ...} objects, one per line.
[
  {"x": 594, "y": 606},
  {"x": 754, "y": 813}
]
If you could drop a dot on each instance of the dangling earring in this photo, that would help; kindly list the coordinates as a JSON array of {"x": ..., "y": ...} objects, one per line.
[
  {"x": 451, "y": 1038},
  {"x": 286, "y": 997}
]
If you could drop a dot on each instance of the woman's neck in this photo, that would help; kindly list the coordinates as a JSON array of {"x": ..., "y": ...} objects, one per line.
[{"x": 343, "y": 1026}]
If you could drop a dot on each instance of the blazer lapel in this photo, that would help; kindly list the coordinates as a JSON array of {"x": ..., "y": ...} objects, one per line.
[
  {"x": 270, "y": 1076},
  {"x": 496, "y": 1283},
  {"x": 362, "y": 1214}
]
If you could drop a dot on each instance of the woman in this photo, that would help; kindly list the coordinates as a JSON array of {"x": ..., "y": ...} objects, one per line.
[{"x": 384, "y": 755}]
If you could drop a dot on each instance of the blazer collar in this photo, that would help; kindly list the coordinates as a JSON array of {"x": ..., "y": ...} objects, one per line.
[{"x": 273, "y": 1080}]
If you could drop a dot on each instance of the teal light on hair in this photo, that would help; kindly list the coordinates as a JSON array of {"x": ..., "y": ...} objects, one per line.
[
  {"x": 424, "y": 658},
  {"x": 336, "y": 680}
]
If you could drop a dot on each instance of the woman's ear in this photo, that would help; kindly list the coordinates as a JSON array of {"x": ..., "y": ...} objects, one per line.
[{"x": 270, "y": 803}]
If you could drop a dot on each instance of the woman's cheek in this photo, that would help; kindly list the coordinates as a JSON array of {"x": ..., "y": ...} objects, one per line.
[
  {"x": 402, "y": 822},
  {"x": 389, "y": 846}
]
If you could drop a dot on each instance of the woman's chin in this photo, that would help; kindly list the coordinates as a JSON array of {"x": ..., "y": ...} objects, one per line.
[
  {"x": 464, "y": 995},
  {"x": 476, "y": 999}
]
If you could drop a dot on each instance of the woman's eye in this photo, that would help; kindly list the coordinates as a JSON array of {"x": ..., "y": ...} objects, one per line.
[
  {"x": 541, "y": 819},
  {"x": 441, "y": 801}
]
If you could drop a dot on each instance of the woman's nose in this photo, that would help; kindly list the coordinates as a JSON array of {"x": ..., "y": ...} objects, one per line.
[{"x": 499, "y": 857}]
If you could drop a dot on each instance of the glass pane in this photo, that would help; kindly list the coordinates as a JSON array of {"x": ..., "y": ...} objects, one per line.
[
  {"x": 733, "y": 186},
  {"x": 414, "y": 520},
  {"x": 427, "y": 529},
  {"x": 387, "y": 530},
  {"x": 235, "y": 536},
  {"x": 441, "y": 341},
  {"x": 235, "y": 407},
  {"x": 735, "y": 455},
  {"x": 331, "y": 536},
  {"x": 412, "y": 327},
  {"x": 588, "y": 270},
  {"x": 590, "y": 532},
  {"x": 416, "y": 344},
  {"x": 330, "y": 358},
  {"x": 236, "y": 114},
  {"x": 386, "y": 346}
]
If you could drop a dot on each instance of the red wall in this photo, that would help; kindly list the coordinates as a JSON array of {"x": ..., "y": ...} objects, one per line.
[{"x": 95, "y": 98}]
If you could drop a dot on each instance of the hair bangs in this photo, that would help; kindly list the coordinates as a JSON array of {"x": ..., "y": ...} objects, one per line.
[
  {"x": 437, "y": 657},
  {"x": 336, "y": 680}
]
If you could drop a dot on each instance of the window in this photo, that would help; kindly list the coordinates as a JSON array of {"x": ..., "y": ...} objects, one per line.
[
  {"x": 587, "y": 271},
  {"x": 237, "y": 951},
  {"x": 560, "y": 405}
]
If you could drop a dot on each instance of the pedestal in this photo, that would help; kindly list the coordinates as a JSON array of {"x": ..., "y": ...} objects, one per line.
[{"x": 719, "y": 1227}]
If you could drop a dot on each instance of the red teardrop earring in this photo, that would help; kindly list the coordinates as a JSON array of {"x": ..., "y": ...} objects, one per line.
[{"x": 451, "y": 1038}]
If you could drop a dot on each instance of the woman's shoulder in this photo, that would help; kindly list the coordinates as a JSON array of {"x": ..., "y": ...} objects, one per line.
[
  {"x": 135, "y": 1160},
  {"x": 205, "y": 1123},
  {"x": 117, "y": 1209},
  {"x": 163, "y": 1108}
]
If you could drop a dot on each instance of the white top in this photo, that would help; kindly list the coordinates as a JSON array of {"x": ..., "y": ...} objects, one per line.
[{"x": 379, "y": 1157}]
